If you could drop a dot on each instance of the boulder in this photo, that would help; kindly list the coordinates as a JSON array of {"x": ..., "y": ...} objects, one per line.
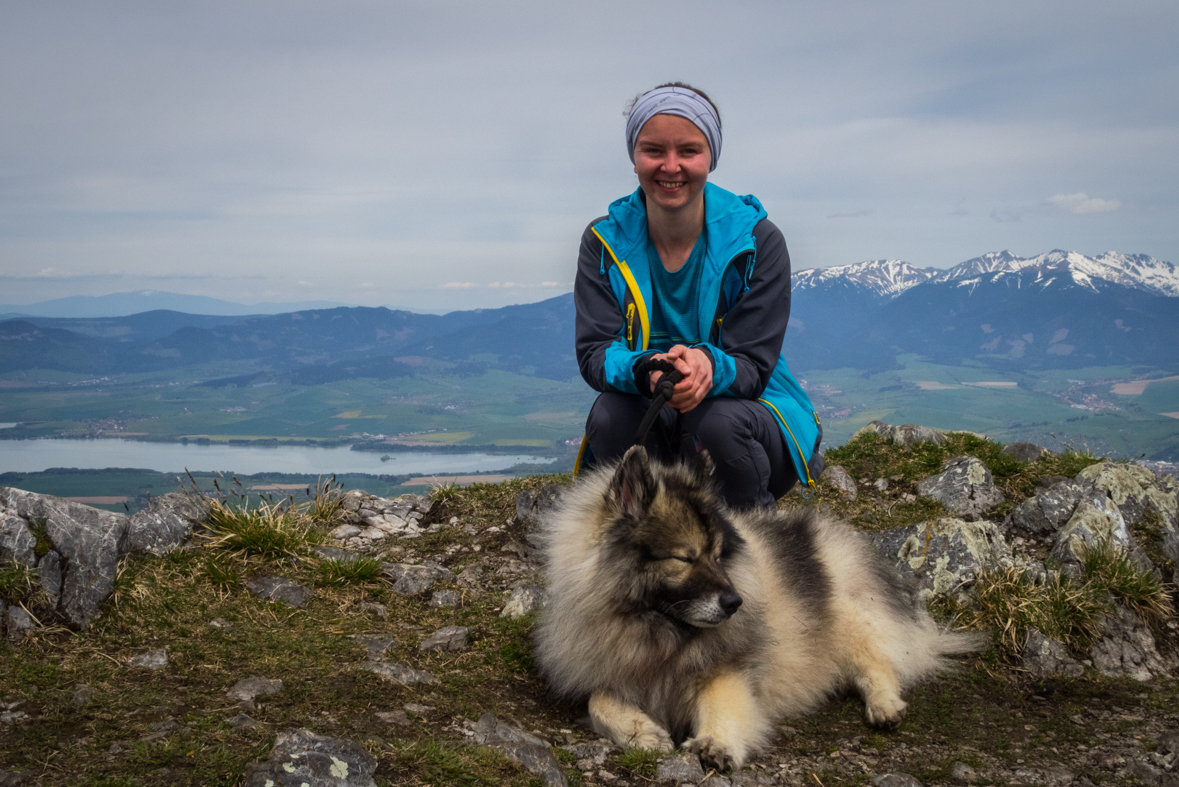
[
  {"x": 533, "y": 505},
  {"x": 839, "y": 478},
  {"x": 1025, "y": 452},
  {"x": 523, "y": 747},
  {"x": 90, "y": 542},
  {"x": 49, "y": 569},
  {"x": 300, "y": 757},
  {"x": 964, "y": 486},
  {"x": 17, "y": 622},
  {"x": 943, "y": 557},
  {"x": 1049, "y": 510},
  {"x": 1127, "y": 648},
  {"x": 244, "y": 691},
  {"x": 905, "y": 435},
  {"x": 1134, "y": 490},
  {"x": 165, "y": 523},
  {"x": 17, "y": 542},
  {"x": 1096, "y": 520},
  {"x": 1044, "y": 657}
]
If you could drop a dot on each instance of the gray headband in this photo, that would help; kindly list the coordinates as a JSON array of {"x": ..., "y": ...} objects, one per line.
[{"x": 678, "y": 101}]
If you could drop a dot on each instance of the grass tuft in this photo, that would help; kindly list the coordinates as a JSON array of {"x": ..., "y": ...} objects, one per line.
[
  {"x": 217, "y": 572},
  {"x": 1111, "y": 568},
  {"x": 641, "y": 762},
  {"x": 358, "y": 571},
  {"x": 324, "y": 506},
  {"x": 269, "y": 529},
  {"x": 40, "y": 530},
  {"x": 18, "y": 582}
]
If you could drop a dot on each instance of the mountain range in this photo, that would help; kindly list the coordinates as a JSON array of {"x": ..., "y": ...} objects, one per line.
[
  {"x": 1056, "y": 310},
  {"x": 123, "y": 304}
]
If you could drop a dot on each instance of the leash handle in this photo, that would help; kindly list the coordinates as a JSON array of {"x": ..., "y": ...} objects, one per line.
[{"x": 664, "y": 390}]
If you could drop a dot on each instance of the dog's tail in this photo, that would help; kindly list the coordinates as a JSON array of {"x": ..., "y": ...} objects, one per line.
[{"x": 957, "y": 643}]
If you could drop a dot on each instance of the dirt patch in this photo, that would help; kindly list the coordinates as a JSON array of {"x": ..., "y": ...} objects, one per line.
[
  {"x": 1136, "y": 387},
  {"x": 930, "y": 385}
]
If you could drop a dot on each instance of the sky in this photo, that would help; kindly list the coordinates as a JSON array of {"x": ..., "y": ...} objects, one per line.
[{"x": 448, "y": 155}]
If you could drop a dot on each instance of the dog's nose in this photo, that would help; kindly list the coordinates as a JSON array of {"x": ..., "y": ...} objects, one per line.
[{"x": 730, "y": 601}]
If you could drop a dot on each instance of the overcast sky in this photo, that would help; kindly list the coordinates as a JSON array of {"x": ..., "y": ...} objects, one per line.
[{"x": 444, "y": 155}]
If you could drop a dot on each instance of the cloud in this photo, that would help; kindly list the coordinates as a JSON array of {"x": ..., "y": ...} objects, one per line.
[
  {"x": 1006, "y": 215},
  {"x": 459, "y": 285},
  {"x": 1082, "y": 203},
  {"x": 854, "y": 215},
  {"x": 550, "y": 284}
]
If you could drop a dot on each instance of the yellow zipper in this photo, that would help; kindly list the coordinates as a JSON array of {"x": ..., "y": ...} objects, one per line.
[
  {"x": 630, "y": 325},
  {"x": 809, "y": 481},
  {"x": 633, "y": 286}
]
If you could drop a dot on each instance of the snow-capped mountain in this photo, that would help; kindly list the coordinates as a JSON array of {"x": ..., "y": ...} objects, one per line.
[
  {"x": 886, "y": 278},
  {"x": 1055, "y": 310},
  {"x": 1066, "y": 268}
]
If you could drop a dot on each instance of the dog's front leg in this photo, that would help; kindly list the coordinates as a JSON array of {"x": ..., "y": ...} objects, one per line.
[
  {"x": 625, "y": 724},
  {"x": 728, "y": 723}
]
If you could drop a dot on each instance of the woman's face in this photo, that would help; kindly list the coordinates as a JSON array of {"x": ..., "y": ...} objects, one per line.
[{"x": 672, "y": 160}]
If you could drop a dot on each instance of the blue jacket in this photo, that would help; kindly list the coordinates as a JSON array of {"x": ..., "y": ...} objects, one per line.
[{"x": 744, "y": 307}]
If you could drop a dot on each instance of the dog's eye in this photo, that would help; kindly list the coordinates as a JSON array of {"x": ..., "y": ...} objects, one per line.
[{"x": 682, "y": 558}]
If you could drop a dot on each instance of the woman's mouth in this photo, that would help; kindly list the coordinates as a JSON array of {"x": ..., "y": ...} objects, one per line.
[{"x": 670, "y": 184}]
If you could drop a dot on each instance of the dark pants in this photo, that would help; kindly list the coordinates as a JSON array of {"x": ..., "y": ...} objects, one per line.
[{"x": 743, "y": 438}]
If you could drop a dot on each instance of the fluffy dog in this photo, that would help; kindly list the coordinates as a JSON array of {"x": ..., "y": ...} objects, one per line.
[{"x": 686, "y": 623}]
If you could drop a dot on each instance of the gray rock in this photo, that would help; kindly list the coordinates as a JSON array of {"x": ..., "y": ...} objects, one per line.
[
  {"x": 945, "y": 556},
  {"x": 445, "y": 598},
  {"x": 680, "y": 768},
  {"x": 1055, "y": 776},
  {"x": 1025, "y": 452},
  {"x": 1049, "y": 510},
  {"x": 337, "y": 554},
  {"x": 398, "y": 673},
  {"x": 344, "y": 532},
  {"x": 245, "y": 691},
  {"x": 1096, "y": 520},
  {"x": 960, "y": 771},
  {"x": 1133, "y": 489},
  {"x": 1168, "y": 742},
  {"x": 1127, "y": 648},
  {"x": 275, "y": 589},
  {"x": 219, "y": 623},
  {"x": 166, "y": 522},
  {"x": 90, "y": 541},
  {"x": 450, "y": 638},
  {"x": 380, "y": 610},
  {"x": 81, "y": 697},
  {"x": 17, "y": 622},
  {"x": 376, "y": 646},
  {"x": 409, "y": 580},
  {"x": 525, "y": 597},
  {"x": 398, "y": 717},
  {"x": 152, "y": 659},
  {"x": 716, "y": 780},
  {"x": 17, "y": 542},
  {"x": 595, "y": 752},
  {"x": 523, "y": 747},
  {"x": 894, "y": 780},
  {"x": 839, "y": 478},
  {"x": 965, "y": 487},
  {"x": 50, "y": 571},
  {"x": 242, "y": 722},
  {"x": 533, "y": 505},
  {"x": 752, "y": 779},
  {"x": 905, "y": 435},
  {"x": 1144, "y": 773},
  {"x": 1044, "y": 657},
  {"x": 12, "y": 778},
  {"x": 302, "y": 758},
  {"x": 421, "y": 710}
]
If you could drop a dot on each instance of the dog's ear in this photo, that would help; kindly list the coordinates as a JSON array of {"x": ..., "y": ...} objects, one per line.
[
  {"x": 633, "y": 486},
  {"x": 702, "y": 466}
]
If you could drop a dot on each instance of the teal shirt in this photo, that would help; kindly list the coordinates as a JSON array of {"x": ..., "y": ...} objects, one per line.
[{"x": 675, "y": 311}]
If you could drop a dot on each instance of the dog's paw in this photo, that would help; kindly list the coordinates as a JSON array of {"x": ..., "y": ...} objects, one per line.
[
  {"x": 886, "y": 712},
  {"x": 711, "y": 753},
  {"x": 649, "y": 735}
]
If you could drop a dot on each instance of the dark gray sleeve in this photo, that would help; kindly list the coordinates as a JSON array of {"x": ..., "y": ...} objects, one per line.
[
  {"x": 599, "y": 317},
  {"x": 755, "y": 326}
]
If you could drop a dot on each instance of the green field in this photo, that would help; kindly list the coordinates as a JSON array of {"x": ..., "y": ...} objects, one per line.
[{"x": 496, "y": 408}]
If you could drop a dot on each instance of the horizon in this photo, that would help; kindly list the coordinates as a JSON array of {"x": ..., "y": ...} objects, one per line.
[{"x": 450, "y": 157}]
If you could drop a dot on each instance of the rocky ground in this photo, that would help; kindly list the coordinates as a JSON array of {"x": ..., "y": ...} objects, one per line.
[{"x": 391, "y": 645}]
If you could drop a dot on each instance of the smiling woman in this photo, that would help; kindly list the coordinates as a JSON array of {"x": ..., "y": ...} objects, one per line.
[{"x": 692, "y": 274}]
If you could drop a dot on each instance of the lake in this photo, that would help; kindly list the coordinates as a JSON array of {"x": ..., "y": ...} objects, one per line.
[{"x": 31, "y": 456}]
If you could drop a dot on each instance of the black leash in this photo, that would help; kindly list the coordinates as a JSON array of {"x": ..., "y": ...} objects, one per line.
[{"x": 664, "y": 390}]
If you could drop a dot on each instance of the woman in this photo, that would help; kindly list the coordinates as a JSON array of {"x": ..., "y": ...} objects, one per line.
[{"x": 686, "y": 271}]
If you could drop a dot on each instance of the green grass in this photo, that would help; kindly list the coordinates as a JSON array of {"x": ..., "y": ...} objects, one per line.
[
  {"x": 18, "y": 582},
  {"x": 360, "y": 571},
  {"x": 268, "y": 529},
  {"x": 1110, "y": 568}
]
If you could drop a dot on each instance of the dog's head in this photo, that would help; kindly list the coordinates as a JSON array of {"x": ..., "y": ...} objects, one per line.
[{"x": 671, "y": 540}]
